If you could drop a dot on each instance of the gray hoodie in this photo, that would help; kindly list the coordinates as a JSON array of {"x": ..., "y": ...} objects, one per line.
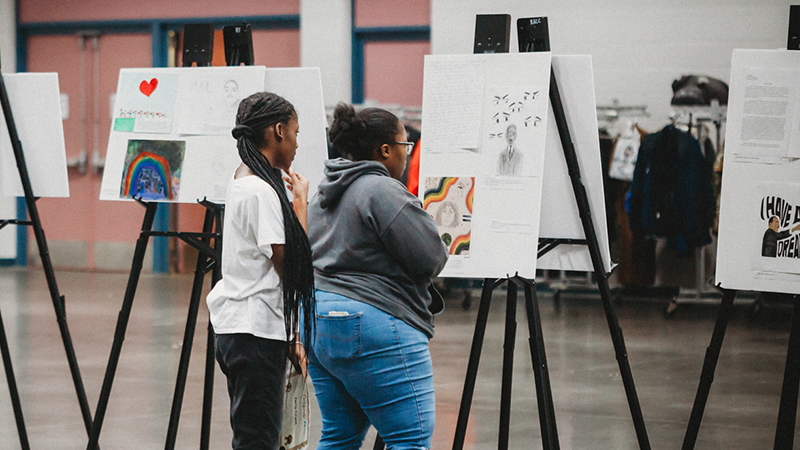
[{"x": 372, "y": 241}]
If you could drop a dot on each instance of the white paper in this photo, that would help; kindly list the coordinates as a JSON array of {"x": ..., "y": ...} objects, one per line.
[
  {"x": 208, "y": 97},
  {"x": 748, "y": 185},
  {"x": 505, "y": 215},
  {"x": 453, "y": 87},
  {"x": 209, "y": 160},
  {"x": 777, "y": 225},
  {"x": 145, "y": 101},
  {"x": 764, "y": 116},
  {"x": 36, "y": 108}
]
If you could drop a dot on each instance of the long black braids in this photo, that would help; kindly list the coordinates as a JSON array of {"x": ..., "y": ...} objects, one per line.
[{"x": 256, "y": 113}]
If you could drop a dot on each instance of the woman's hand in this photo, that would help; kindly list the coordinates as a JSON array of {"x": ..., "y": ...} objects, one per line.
[
  {"x": 298, "y": 186},
  {"x": 298, "y": 357}
]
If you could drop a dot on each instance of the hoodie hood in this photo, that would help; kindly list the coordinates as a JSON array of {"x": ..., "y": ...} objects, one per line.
[{"x": 340, "y": 173}]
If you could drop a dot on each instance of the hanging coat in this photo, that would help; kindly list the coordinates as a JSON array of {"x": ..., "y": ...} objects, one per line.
[{"x": 671, "y": 194}]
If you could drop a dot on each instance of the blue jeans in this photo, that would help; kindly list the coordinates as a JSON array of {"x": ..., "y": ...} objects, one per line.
[{"x": 369, "y": 367}]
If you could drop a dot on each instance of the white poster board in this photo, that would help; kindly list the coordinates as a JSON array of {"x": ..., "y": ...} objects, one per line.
[
  {"x": 560, "y": 217},
  {"x": 36, "y": 107},
  {"x": 170, "y": 138},
  {"x": 761, "y": 175},
  {"x": 484, "y": 122}
]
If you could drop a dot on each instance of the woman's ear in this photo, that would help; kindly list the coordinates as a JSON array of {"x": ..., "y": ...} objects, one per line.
[
  {"x": 385, "y": 151},
  {"x": 280, "y": 130}
]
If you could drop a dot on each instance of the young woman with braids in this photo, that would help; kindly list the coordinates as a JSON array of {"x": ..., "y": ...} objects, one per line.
[
  {"x": 375, "y": 251},
  {"x": 267, "y": 275}
]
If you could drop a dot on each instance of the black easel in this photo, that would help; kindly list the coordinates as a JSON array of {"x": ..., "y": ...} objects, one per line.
[
  {"x": 787, "y": 412},
  {"x": 534, "y": 36},
  {"x": 57, "y": 298},
  {"x": 198, "y": 47}
]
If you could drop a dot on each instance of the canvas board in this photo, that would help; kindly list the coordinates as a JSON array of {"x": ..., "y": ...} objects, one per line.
[{"x": 36, "y": 108}]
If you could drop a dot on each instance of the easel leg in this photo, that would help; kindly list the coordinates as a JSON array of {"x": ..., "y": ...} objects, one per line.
[
  {"x": 709, "y": 366},
  {"x": 188, "y": 339},
  {"x": 472, "y": 365},
  {"x": 622, "y": 360},
  {"x": 12, "y": 388},
  {"x": 584, "y": 210},
  {"x": 122, "y": 325},
  {"x": 208, "y": 389},
  {"x": 787, "y": 414},
  {"x": 544, "y": 394},
  {"x": 208, "y": 385},
  {"x": 508, "y": 365}
]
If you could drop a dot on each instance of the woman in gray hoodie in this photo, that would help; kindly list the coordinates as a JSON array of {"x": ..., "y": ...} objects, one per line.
[{"x": 375, "y": 251}]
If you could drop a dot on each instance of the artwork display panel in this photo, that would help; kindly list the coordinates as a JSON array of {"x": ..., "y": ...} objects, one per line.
[
  {"x": 759, "y": 224},
  {"x": 178, "y": 147},
  {"x": 484, "y": 159}
]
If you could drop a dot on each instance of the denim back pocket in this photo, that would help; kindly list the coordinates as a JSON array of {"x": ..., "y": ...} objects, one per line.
[{"x": 339, "y": 337}]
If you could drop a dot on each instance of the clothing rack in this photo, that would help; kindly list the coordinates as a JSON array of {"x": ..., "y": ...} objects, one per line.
[{"x": 607, "y": 115}]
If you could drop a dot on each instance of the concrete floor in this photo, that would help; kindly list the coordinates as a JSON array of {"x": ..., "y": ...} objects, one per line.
[{"x": 666, "y": 356}]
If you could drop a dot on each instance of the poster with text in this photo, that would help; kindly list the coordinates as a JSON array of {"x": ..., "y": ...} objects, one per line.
[
  {"x": 759, "y": 221},
  {"x": 777, "y": 224},
  {"x": 491, "y": 150}
]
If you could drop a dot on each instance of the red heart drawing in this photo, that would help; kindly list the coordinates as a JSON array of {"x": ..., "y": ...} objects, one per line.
[{"x": 148, "y": 88}]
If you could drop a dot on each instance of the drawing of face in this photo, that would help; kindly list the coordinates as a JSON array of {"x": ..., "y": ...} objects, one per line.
[
  {"x": 447, "y": 215},
  {"x": 773, "y": 223},
  {"x": 511, "y": 134},
  {"x": 230, "y": 94}
]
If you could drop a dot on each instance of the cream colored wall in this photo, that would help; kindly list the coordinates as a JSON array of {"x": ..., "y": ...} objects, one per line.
[
  {"x": 325, "y": 43},
  {"x": 638, "y": 47}
]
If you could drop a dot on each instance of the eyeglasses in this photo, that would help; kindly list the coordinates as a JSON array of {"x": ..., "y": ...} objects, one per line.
[{"x": 409, "y": 146}]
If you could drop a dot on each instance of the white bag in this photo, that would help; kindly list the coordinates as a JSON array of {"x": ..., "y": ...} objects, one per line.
[{"x": 294, "y": 432}]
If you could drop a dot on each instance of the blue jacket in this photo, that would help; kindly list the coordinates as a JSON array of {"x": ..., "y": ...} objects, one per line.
[{"x": 671, "y": 194}]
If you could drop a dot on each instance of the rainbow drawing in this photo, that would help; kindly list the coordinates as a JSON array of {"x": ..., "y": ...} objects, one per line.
[
  {"x": 471, "y": 196},
  {"x": 148, "y": 178},
  {"x": 440, "y": 192},
  {"x": 460, "y": 244}
]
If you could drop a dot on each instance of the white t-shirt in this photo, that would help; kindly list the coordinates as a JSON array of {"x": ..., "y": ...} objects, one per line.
[{"x": 249, "y": 297}]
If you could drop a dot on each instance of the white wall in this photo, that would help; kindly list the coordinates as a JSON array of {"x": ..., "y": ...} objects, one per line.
[
  {"x": 8, "y": 235},
  {"x": 325, "y": 42},
  {"x": 638, "y": 47}
]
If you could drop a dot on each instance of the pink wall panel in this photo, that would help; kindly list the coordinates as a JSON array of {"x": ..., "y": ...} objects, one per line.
[
  {"x": 117, "y": 221},
  {"x": 87, "y": 10},
  {"x": 393, "y": 72},
  {"x": 276, "y": 48},
  {"x": 82, "y": 217},
  {"x": 382, "y": 13}
]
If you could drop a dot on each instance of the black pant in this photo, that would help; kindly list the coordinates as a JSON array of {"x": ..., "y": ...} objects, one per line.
[{"x": 256, "y": 371}]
